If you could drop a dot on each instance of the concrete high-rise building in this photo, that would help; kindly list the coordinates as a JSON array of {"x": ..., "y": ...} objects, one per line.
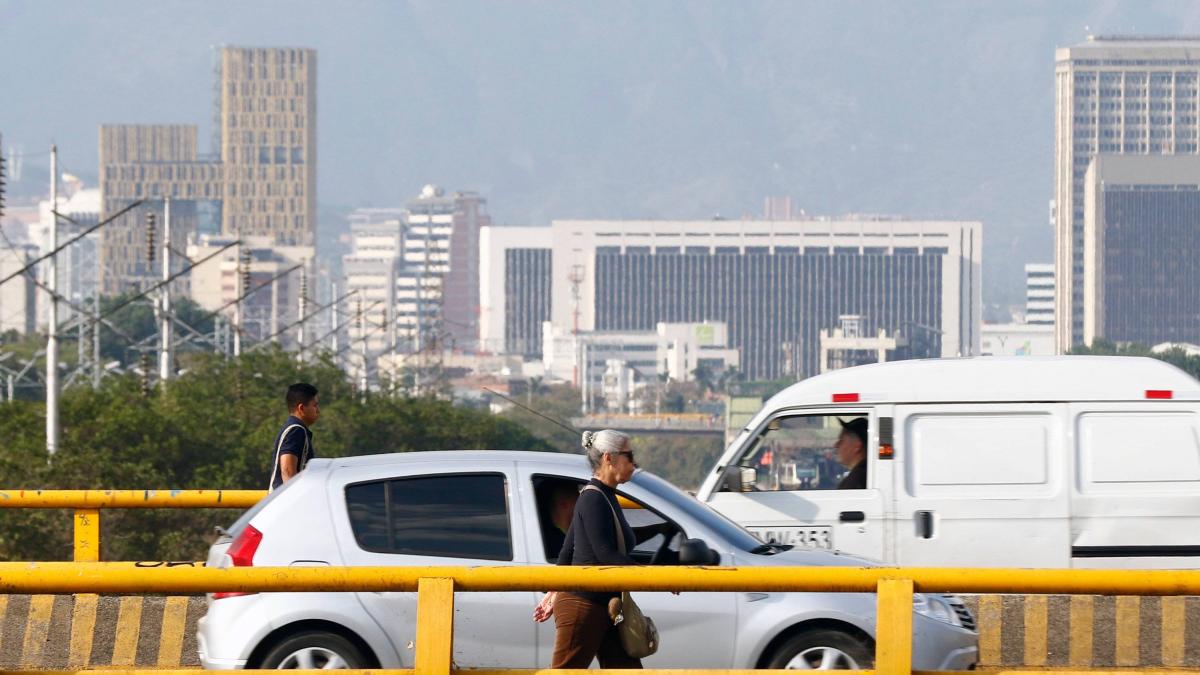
[
  {"x": 775, "y": 284},
  {"x": 372, "y": 270},
  {"x": 18, "y": 308},
  {"x": 515, "y": 274},
  {"x": 1039, "y": 294},
  {"x": 261, "y": 182},
  {"x": 1141, "y": 242},
  {"x": 1114, "y": 96}
]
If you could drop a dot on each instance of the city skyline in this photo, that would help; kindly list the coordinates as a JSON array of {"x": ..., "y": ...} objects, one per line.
[{"x": 718, "y": 114}]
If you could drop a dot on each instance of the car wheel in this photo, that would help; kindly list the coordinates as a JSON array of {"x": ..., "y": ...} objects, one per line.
[
  {"x": 315, "y": 651},
  {"x": 823, "y": 649}
]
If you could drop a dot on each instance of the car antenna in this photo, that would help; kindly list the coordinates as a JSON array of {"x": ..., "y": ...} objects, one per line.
[{"x": 559, "y": 423}]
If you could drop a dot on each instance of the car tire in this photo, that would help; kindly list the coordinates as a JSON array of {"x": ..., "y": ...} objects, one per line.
[
  {"x": 823, "y": 649},
  {"x": 315, "y": 650}
]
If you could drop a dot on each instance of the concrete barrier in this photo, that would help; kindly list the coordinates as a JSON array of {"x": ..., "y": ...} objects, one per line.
[
  {"x": 1087, "y": 631},
  {"x": 45, "y": 632}
]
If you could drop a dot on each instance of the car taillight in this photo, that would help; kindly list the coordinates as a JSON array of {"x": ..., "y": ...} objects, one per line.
[{"x": 241, "y": 552}]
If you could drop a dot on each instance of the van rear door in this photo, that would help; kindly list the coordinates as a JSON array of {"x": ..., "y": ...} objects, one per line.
[
  {"x": 982, "y": 485},
  {"x": 1137, "y": 489}
]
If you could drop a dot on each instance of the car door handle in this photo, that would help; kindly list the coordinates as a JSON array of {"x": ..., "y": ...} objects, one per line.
[{"x": 852, "y": 516}]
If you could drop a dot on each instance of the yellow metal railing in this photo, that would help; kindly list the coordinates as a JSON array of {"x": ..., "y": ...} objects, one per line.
[
  {"x": 87, "y": 505},
  {"x": 436, "y": 586}
]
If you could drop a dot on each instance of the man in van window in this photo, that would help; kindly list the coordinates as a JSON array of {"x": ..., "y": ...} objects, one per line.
[
  {"x": 294, "y": 443},
  {"x": 851, "y": 452}
]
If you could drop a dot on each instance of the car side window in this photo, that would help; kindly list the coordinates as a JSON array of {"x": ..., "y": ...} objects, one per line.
[
  {"x": 797, "y": 452},
  {"x": 451, "y": 516}
]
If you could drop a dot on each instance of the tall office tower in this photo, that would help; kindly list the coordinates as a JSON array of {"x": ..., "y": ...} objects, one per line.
[
  {"x": 515, "y": 275},
  {"x": 268, "y": 142},
  {"x": 262, "y": 182},
  {"x": 775, "y": 284},
  {"x": 1114, "y": 96},
  {"x": 1039, "y": 294},
  {"x": 460, "y": 299},
  {"x": 1141, "y": 242}
]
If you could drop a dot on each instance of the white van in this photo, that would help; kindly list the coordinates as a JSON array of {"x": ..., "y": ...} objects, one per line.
[{"x": 1067, "y": 461}]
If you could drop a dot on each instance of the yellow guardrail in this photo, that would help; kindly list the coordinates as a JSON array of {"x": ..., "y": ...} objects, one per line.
[
  {"x": 87, "y": 505},
  {"x": 436, "y": 586}
]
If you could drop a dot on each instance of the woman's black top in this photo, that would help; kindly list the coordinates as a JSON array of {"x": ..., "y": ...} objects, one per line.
[{"x": 592, "y": 538}]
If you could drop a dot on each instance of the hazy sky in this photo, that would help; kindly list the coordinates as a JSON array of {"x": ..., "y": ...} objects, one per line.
[{"x": 607, "y": 109}]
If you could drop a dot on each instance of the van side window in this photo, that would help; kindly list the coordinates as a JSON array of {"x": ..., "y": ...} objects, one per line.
[
  {"x": 451, "y": 516},
  {"x": 799, "y": 452}
]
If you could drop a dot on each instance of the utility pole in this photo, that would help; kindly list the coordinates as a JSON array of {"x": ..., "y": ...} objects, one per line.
[
  {"x": 52, "y": 317},
  {"x": 362, "y": 341},
  {"x": 164, "y": 331},
  {"x": 243, "y": 285},
  {"x": 337, "y": 360},
  {"x": 300, "y": 329}
]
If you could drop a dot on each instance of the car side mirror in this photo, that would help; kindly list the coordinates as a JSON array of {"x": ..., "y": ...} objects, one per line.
[{"x": 696, "y": 552}]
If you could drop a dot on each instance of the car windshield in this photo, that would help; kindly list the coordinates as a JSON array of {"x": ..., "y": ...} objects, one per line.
[{"x": 727, "y": 529}]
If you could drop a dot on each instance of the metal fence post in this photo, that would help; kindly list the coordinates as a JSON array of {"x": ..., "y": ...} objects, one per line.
[
  {"x": 87, "y": 535},
  {"x": 435, "y": 626},
  {"x": 893, "y": 627}
]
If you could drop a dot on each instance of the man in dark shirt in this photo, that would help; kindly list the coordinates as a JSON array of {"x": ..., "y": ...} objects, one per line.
[
  {"x": 851, "y": 452},
  {"x": 294, "y": 443}
]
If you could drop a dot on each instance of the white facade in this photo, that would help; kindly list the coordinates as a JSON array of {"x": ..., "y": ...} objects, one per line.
[
  {"x": 612, "y": 367},
  {"x": 499, "y": 287},
  {"x": 1039, "y": 294},
  {"x": 77, "y": 272},
  {"x": 848, "y": 345},
  {"x": 372, "y": 271},
  {"x": 267, "y": 312},
  {"x": 956, "y": 290},
  {"x": 1017, "y": 339},
  {"x": 17, "y": 304}
]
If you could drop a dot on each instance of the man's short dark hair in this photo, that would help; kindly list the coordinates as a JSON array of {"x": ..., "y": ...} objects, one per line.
[{"x": 301, "y": 392}]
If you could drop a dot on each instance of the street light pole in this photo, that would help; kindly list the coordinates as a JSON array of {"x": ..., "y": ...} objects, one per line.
[
  {"x": 164, "y": 331},
  {"x": 52, "y": 427}
]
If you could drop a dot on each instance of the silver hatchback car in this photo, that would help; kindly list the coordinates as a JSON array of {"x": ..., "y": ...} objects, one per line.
[{"x": 494, "y": 508}]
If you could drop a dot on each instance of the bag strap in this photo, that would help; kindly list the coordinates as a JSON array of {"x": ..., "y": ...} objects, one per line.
[
  {"x": 616, "y": 523},
  {"x": 279, "y": 448}
]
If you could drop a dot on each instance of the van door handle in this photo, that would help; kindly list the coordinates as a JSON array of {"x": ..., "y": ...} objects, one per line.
[
  {"x": 852, "y": 516},
  {"x": 924, "y": 521}
]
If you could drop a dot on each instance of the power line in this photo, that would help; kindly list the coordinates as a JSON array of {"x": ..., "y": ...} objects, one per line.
[{"x": 81, "y": 235}]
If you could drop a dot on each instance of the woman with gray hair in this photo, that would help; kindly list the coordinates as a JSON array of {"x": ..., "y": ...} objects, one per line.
[{"x": 584, "y": 630}]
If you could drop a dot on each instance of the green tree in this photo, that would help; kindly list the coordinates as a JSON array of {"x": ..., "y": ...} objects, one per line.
[{"x": 210, "y": 428}]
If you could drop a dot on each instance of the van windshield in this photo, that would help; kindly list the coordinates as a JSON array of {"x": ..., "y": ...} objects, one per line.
[{"x": 725, "y": 528}]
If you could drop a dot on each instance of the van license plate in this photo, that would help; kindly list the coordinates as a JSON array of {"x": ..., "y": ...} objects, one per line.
[{"x": 815, "y": 536}]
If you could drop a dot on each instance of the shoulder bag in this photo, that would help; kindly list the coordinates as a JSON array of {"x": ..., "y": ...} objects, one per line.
[{"x": 639, "y": 635}]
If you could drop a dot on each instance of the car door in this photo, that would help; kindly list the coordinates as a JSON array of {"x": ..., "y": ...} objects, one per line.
[
  {"x": 982, "y": 485},
  {"x": 696, "y": 630},
  {"x": 789, "y": 493},
  {"x": 442, "y": 516}
]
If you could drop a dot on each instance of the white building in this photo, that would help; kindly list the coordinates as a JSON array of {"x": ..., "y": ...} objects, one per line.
[
  {"x": 514, "y": 289},
  {"x": 372, "y": 270},
  {"x": 269, "y": 311},
  {"x": 17, "y": 296},
  {"x": 1017, "y": 339},
  {"x": 847, "y": 345},
  {"x": 775, "y": 284},
  {"x": 1039, "y": 294},
  {"x": 78, "y": 276},
  {"x": 613, "y": 367}
]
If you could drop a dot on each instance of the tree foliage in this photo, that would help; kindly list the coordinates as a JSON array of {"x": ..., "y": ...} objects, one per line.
[
  {"x": 1175, "y": 356},
  {"x": 211, "y": 428}
]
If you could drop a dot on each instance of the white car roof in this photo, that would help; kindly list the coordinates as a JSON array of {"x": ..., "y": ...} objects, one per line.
[
  {"x": 564, "y": 461},
  {"x": 994, "y": 378}
]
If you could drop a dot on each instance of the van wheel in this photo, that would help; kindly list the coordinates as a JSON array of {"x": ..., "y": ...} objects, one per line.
[
  {"x": 822, "y": 649},
  {"x": 314, "y": 650}
]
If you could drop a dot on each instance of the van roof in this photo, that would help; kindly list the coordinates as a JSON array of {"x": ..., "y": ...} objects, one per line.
[{"x": 994, "y": 378}]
